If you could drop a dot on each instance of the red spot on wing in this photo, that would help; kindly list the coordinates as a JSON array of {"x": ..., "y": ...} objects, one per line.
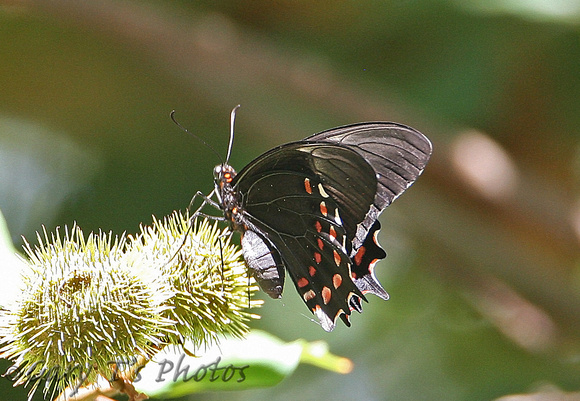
[
  {"x": 308, "y": 295},
  {"x": 337, "y": 280},
  {"x": 302, "y": 282},
  {"x": 312, "y": 271},
  {"x": 332, "y": 232},
  {"x": 317, "y": 257},
  {"x": 307, "y": 186},
  {"x": 326, "y": 295},
  {"x": 323, "y": 209},
  {"x": 318, "y": 226},
  {"x": 359, "y": 255},
  {"x": 337, "y": 258},
  {"x": 320, "y": 243}
]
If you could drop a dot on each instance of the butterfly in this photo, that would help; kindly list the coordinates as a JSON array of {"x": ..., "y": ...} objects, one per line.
[{"x": 310, "y": 209}]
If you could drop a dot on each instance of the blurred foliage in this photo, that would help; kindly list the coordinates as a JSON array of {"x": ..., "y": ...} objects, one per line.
[
  {"x": 483, "y": 259},
  {"x": 258, "y": 360}
]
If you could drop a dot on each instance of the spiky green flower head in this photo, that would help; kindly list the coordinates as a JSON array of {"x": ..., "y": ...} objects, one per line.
[
  {"x": 207, "y": 275},
  {"x": 103, "y": 306},
  {"x": 82, "y": 312}
]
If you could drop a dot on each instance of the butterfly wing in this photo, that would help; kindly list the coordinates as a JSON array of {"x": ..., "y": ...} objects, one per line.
[
  {"x": 265, "y": 261},
  {"x": 302, "y": 224},
  {"x": 315, "y": 204}
]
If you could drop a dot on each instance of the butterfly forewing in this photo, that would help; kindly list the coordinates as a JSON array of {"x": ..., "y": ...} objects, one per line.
[
  {"x": 397, "y": 154},
  {"x": 345, "y": 177}
]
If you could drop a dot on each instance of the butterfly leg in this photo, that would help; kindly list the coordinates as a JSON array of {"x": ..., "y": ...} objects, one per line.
[
  {"x": 198, "y": 213},
  {"x": 206, "y": 200}
]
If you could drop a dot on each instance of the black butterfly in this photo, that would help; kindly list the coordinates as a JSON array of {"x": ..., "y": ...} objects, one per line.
[{"x": 310, "y": 208}]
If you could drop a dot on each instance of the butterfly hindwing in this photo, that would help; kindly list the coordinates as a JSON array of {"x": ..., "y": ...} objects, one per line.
[
  {"x": 264, "y": 262},
  {"x": 363, "y": 264},
  {"x": 311, "y": 240}
]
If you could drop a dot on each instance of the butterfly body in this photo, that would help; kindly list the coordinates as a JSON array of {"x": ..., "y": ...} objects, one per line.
[{"x": 309, "y": 208}]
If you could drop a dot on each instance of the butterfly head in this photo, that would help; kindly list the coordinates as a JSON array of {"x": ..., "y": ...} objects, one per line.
[{"x": 223, "y": 174}]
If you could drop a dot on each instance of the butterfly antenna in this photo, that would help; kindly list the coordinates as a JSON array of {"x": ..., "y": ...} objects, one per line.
[
  {"x": 232, "y": 121},
  {"x": 172, "y": 115}
]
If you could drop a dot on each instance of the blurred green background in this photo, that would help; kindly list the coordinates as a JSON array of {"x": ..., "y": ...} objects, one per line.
[{"x": 483, "y": 266}]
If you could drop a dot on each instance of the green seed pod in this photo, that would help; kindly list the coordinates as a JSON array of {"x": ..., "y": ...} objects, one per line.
[
  {"x": 103, "y": 306},
  {"x": 206, "y": 273},
  {"x": 81, "y": 312}
]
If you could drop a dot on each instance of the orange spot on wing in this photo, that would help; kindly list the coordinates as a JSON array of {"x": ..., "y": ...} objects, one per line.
[
  {"x": 317, "y": 257},
  {"x": 326, "y": 295},
  {"x": 332, "y": 232},
  {"x": 337, "y": 280},
  {"x": 307, "y": 186},
  {"x": 302, "y": 282},
  {"x": 312, "y": 271},
  {"x": 320, "y": 243},
  {"x": 359, "y": 255},
  {"x": 323, "y": 209},
  {"x": 318, "y": 226},
  {"x": 337, "y": 258},
  {"x": 308, "y": 295}
]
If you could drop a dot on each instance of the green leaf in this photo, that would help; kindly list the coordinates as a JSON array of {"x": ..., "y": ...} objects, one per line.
[{"x": 259, "y": 360}]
